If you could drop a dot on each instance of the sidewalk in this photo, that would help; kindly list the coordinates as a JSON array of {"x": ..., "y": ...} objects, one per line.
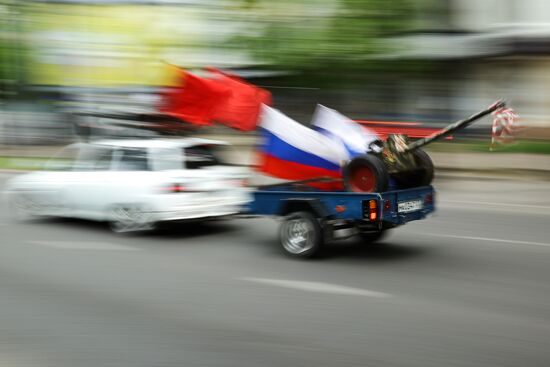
[
  {"x": 512, "y": 163},
  {"x": 491, "y": 161},
  {"x": 243, "y": 149}
]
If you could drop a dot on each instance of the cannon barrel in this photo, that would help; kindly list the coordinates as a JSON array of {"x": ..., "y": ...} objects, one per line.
[{"x": 454, "y": 127}]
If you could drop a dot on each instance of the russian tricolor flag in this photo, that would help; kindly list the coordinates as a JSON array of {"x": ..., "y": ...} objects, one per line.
[
  {"x": 290, "y": 150},
  {"x": 354, "y": 137}
]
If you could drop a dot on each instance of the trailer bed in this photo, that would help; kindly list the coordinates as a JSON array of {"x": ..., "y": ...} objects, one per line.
[
  {"x": 324, "y": 215},
  {"x": 348, "y": 205}
]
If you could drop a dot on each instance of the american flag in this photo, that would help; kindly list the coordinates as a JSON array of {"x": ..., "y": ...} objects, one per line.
[{"x": 503, "y": 126}]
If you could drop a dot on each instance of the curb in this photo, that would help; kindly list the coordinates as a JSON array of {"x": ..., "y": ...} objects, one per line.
[
  {"x": 440, "y": 173},
  {"x": 491, "y": 174}
]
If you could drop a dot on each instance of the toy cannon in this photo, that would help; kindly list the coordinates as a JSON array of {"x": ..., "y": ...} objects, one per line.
[{"x": 401, "y": 160}]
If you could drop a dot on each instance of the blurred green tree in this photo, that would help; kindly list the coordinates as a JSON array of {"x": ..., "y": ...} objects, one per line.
[
  {"x": 306, "y": 35},
  {"x": 12, "y": 49}
]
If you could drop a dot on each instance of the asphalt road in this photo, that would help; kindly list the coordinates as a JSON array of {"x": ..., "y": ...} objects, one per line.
[{"x": 470, "y": 286}]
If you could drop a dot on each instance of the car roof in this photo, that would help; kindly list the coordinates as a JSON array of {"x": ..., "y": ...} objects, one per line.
[{"x": 157, "y": 143}]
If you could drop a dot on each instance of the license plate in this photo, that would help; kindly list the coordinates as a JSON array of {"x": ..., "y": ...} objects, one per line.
[{"x": 409, "y": 206}]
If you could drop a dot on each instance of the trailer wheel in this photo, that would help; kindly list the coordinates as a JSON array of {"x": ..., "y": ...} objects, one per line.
[
  {"x": 366, "y": 173},
  {"x": 301, "y": 235},
  {"x": 425, "y": 174}
]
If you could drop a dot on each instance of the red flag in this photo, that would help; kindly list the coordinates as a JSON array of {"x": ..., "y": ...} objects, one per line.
[
  {"x": 195, "y": 99},
  {"x": 241, "y": 110}
]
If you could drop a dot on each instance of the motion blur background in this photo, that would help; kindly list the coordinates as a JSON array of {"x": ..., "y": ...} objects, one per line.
[
  {"x": 467, "y": 287},
  {"x": 429, "y": 61}
]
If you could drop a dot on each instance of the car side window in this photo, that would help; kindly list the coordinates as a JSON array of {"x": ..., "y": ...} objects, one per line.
[
  {"x": 200, "y": 156},
  {"x": 132, "y": 159},
  {"x": 164, "y": 159},
  {"x": 103, "y": 160}
]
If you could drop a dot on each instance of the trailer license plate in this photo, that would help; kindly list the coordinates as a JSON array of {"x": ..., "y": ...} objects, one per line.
[{"x": 409, "y": 206}]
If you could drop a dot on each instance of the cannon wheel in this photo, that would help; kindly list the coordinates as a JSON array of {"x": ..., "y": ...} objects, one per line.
[
  {"x": 425, "y": 174},
  {"x": 421, "y": 175},
  {"x": 366, "y": 173}
]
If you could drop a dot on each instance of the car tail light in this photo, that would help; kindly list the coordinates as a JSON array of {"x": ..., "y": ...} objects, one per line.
[{"x": 173, "y": 188}]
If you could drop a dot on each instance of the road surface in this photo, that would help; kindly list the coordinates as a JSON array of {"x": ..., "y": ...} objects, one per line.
[{"x": 470, "y": 286}]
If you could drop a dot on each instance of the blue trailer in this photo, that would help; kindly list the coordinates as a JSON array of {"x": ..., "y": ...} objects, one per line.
[{"x": 311, "y": 217}]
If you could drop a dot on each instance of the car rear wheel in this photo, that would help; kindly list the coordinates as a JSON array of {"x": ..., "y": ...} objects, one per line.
[
  {"x": 301, "y": 235},
  {"x": 130, "y": 218}
]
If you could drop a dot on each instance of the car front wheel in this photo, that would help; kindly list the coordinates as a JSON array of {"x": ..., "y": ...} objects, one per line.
[{"x": 23, "y": 207}]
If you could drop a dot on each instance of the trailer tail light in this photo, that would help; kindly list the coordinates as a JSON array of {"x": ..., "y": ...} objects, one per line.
[
  {"x": 429, "y": 199},
  {"x": 370, "y": 209},
  {"x": 387, "y": 205},
  {"x": 373, "y": 210}
]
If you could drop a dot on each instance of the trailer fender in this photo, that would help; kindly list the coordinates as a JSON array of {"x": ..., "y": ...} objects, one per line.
[{"x": 313, "y": 206}]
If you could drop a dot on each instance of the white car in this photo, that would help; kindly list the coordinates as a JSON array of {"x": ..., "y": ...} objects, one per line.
[{"x": 133, "y": 184}]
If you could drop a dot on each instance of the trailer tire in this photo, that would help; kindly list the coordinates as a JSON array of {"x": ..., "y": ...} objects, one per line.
[
  {"x": 301, "y": 235},
  {"x": 366, "y": 173}
]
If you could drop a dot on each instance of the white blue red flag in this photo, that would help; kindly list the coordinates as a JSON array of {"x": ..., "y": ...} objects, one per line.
[
  {"x": 504, "y": 128},
  {"x": 290, "y": 150},
  {"x": 354, "y": 137}
]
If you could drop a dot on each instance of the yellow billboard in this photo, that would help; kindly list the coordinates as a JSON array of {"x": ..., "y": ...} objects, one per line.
[{"x": 109, "y": 45}]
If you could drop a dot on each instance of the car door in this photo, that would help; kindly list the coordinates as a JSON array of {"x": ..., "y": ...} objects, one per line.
[
  {"x": 130, "y": 177},
  {"x": 86, "y": 189},
  {"x": 58, "y": 175}
]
